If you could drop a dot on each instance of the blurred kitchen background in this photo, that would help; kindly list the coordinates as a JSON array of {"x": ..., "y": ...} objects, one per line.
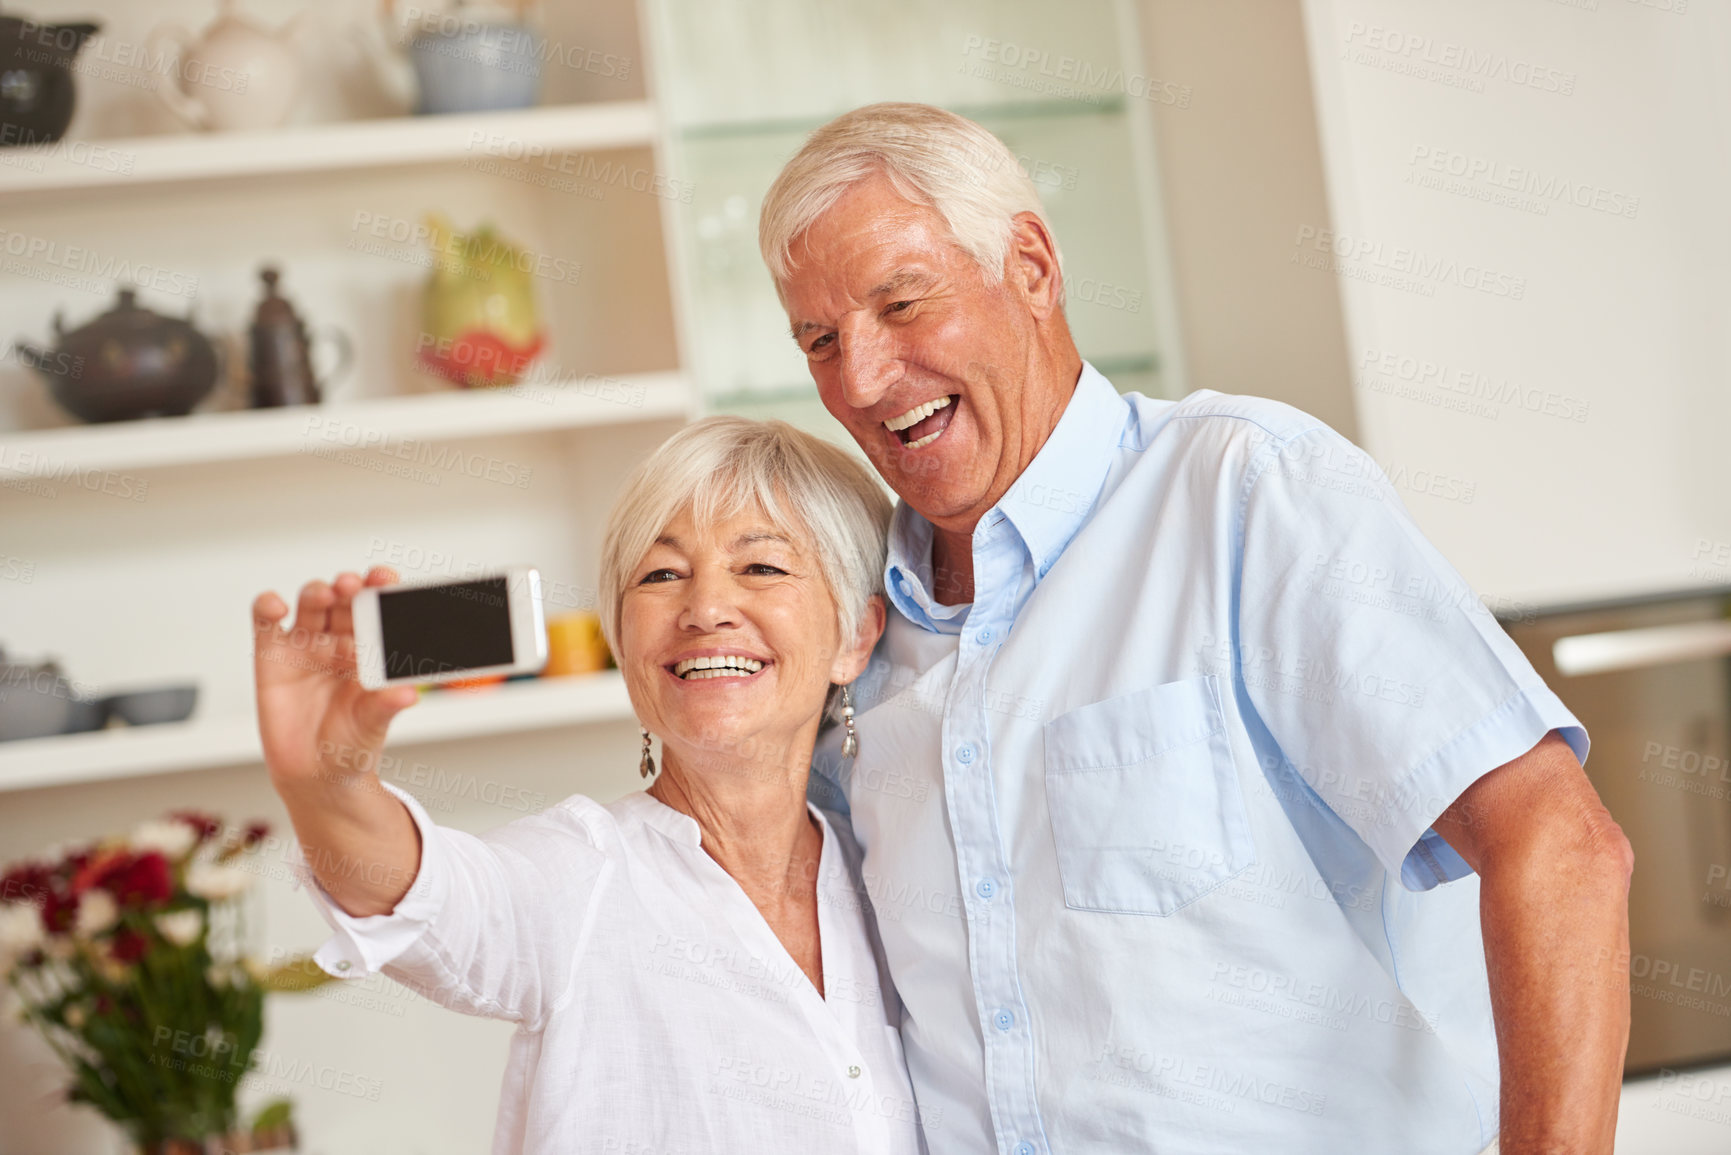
[{"x": 429, "y": 279}]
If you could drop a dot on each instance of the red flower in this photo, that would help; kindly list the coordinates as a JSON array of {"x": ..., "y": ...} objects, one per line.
[
  {"x": 91, "y": 869},
  {"x": 26, "y": 882},
  {"x": 59, "y": 911},
  {"x": 205, "y": 824},
  {"x": 255, "y": 832},
  {"x": 141, "y": 881},
  {"x": 128, "y": 945}
]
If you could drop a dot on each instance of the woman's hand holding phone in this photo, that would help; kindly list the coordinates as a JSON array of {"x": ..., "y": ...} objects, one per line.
[{"x": 323, "y": 733}]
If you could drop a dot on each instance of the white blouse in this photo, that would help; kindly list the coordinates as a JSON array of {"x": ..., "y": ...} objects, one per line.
[{"x": 657, "y": 1012}]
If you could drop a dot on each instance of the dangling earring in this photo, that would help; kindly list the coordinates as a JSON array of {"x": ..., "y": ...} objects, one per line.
[
  {"x": 850, "y": 741},
  {"x": 647, "y": 765}
]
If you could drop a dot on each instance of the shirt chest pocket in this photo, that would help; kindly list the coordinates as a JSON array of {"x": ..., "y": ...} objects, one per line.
[{"x": 1146, "y": 808}]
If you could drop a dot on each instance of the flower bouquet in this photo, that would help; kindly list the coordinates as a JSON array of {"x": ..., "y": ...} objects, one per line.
[{"x": 125, "y": 955}]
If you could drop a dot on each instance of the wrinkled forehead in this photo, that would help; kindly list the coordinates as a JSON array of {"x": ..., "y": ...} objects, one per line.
[{"x": 863, "y": 240}]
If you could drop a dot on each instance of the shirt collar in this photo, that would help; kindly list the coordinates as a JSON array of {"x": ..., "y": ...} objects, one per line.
[
  {"x": 683, "y": 828},
  {"x": 653, "y": 812},
  {"x": 1046, "y": 506},
  {"x": 908, "y": 575}
]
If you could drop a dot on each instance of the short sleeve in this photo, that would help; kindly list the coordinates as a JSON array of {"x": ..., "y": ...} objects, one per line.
[{"x": 1374, "y": 666}]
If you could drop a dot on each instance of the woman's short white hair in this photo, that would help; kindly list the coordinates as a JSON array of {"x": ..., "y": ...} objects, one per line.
[
  {"x": 808, "y": 489},
  {"x": 930, "y": 156}
]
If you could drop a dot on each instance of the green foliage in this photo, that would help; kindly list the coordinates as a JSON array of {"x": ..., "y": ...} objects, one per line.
[{"x": 112, "y": 952}]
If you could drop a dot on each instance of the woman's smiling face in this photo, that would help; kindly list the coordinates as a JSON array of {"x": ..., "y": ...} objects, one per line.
[{"x": 729, "y": 639}]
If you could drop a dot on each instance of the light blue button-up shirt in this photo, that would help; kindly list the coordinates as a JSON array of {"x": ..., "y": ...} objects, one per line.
[{"x": 1147, "y": 826}]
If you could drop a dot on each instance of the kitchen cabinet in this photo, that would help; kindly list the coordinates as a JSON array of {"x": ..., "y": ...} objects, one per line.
[
  {"x": 136, "y": 547},
  {"x": 1063, "y": 85}
]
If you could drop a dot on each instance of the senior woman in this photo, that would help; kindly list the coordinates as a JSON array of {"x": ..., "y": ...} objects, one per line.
[{"x": 691, "y": 967}]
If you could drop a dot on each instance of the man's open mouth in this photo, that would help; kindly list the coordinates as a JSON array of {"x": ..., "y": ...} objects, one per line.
[
  {"x": 925, "y": 423},
  {"x": 718, "y": 666}
]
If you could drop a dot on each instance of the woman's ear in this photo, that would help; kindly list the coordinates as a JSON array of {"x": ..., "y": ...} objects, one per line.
[{"x": 852, "y": 661}]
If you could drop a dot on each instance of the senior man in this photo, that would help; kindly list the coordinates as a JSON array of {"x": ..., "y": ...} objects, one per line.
[{"x": 1204, "y": 807}]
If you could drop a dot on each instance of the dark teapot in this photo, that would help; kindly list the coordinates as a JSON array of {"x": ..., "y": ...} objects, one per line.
[
  {"x": 129, "y": 362},
  {"x": 37, "y": 93}
]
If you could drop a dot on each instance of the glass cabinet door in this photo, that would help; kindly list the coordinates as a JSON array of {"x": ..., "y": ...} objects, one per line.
[{"x": 742, "y": 82}]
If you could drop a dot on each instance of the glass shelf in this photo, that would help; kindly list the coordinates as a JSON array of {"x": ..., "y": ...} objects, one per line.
[
  {"x": 742, "y": 61},
  {"x": 752, "y": 78},
  {"x": 984, "y": 113},
  {"x": 1082, "y": 167}
]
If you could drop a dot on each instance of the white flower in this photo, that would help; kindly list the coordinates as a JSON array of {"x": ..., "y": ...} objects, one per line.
[
  {"x": 59, "y": 851},
  {"x": 180, "y": 927},
  {"x": 97, "y": 911},
  {"x": 216, "y": 881},
  {"x": 20, "y": 929},
  {"x": 175, "y": 839}
]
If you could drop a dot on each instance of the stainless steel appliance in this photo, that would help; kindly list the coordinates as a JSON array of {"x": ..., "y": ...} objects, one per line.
[{"x": 1650, "y": 678}]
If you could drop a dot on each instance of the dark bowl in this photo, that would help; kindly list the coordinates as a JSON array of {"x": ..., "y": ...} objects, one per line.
[
  {"x": 86, "y": 714},
  {"x": 38, "y": 702},
  {"x": 27, "y": 711},
  {"x": 150, "y": 707}
]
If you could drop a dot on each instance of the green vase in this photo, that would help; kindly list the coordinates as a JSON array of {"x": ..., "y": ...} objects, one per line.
[{"x": 479, "y": 323}]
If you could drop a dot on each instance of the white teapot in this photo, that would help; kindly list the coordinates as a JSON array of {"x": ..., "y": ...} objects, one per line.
[{"x": 236, "y": 75}]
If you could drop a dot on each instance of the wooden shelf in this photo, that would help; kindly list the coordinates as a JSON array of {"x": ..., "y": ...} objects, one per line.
[
  {"x": 325, "y": 147},
  {"x": 159, "y": 442},
  {"x": 202, "y": 743}
]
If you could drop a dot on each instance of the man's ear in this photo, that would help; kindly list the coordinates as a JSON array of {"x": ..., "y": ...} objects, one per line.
[
  {"x": 1032, "y": 264},
  {"x": 852, "y": 662}
]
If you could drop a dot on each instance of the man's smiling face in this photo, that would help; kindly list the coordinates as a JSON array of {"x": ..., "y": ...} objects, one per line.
[{"x": 923, "y": 358}]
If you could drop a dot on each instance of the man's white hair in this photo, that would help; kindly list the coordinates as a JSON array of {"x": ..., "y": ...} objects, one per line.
[
  {"x": 812, "y": 491},
  {"x": 930, "y": 156}
]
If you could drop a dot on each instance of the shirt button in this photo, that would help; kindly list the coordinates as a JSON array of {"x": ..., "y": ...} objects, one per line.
[
  {"x": 985, "y": 888},
  {"x": 853, "y": 1072},
  {"x": 1004, "y": 1020},
  {"x": 1024, "y": 1149},
  {"x": 985, "y": 635},
  {"x": 965, "y": 754},
  {"x": 343, "y": 964}
]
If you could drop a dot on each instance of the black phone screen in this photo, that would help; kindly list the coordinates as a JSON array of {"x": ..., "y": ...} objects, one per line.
[{"x": 433, "y": 630}]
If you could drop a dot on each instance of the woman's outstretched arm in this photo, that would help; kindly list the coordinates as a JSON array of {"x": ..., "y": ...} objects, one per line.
[{"x": 323, "y": 734}]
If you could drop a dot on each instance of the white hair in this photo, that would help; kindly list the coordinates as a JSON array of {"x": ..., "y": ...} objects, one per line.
[
  {"x": 808, "y": 489},
  {"x": 929, "y": 156}
]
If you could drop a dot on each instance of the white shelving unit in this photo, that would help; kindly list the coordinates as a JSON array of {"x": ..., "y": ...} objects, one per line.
[
  {"x": 231, "y": 501},
  {"x": 441, "y": 715},
  {"x": 125, "y": 163},
  {"x": 257, "y": 433}
]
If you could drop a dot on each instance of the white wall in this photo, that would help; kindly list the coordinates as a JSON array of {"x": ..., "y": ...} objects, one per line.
[
  {"x": 1615, "y": 310},
  {"x": 1240, "y": 168},
  {"x": 1611, "y": 301}
]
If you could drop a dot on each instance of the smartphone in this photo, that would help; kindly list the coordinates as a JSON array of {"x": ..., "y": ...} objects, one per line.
[{"x": 421, "y": 632}]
